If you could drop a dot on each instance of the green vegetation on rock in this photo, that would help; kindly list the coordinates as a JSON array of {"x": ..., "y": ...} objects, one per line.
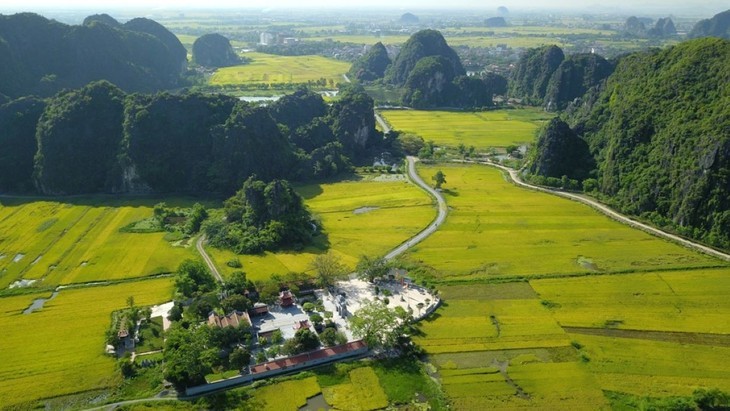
[
  {"x": 532, "y": 74},
  {"x": 262, "y": 217},
  {"x": 659, "y": 133},
  {"x": 42, "y": 56},
  {"x": 371, "y": 65},
  {"x": 214, "y": 50}
]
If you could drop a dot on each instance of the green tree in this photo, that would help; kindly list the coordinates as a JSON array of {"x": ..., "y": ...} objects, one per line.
[
  {"x": 196, "y": 218},
  {"x": 237, "y": 283},
  {"x": 439, "y": 178},
  {"x": 410, "y": 144},
  {"x": 126, "y": 366},
  {"x": 376, "y": 324},
  {"x": 187, "y": 356},
  {"x": 235, "y": 302},
  {"x": 175, "y": 313},
  {"x": 239, "y": 358},
  {"x": 371, "y": 268},
  {"x": 328, "y": 268},
  {"x": 193, "y": 278}
]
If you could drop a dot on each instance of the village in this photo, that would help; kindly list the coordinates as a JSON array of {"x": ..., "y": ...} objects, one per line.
[{"x": 325, "y": 313}]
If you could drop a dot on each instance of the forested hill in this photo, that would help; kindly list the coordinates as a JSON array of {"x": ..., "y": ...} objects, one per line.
[
  {"x": 659, "y": 130},
  {"x": 41, "y": 56},
  {"x": 99, "y": 139},
  {"x": 545, "y": 76}
]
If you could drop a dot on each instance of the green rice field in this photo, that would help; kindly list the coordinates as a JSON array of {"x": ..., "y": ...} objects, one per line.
[
  {"x": 59, "y": 349},
  {"x": 607, "y": 309},
  {"x": 273, "y": 69},
  {"x": 498, "y": 128},
  {"x": 693, "y": 301},
  {"x": 57, "y": 242},
  {"x": 395, "y": 210},
  {"x": 497, "y": 231},
  {"x": 509, "y": 352}
]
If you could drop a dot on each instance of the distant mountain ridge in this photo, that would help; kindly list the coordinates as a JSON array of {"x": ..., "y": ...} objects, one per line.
[{"x": 41, "y": 56}]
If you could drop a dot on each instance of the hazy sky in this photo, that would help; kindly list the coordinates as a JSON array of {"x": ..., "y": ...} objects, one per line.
[{"x": 587, "y": 5}]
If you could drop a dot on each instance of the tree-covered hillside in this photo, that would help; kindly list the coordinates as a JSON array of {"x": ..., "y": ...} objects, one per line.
[
  {"x": 425, "y": 43},
  {"x": 573, "y": 77},
  {"x": 659, "y": 130},
  {"x": 371, "y": 65},
  {"x": 214, "y": 50},
  {"x": 41, "y": 56},
  {"x": 99, "y": 139},
  {"x": 531, "y": 76},
  {"x": 18, "y": 121},
  {"x": 79, "y": 135}
]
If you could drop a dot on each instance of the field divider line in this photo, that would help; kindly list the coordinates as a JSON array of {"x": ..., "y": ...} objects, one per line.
[{"x": 609, "y": 212}]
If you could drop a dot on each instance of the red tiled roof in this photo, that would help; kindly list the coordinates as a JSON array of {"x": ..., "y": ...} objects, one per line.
[
  {"x": 234, "y": 319},
  {"x": 314, "y": 355}
]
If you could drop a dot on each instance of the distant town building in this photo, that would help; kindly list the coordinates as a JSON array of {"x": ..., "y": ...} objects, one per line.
[{"x": 267, "y": 38}]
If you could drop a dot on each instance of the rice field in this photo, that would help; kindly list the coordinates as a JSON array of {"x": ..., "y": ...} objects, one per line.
[
  {"x": 273, "y": 69},
  {"x": 59, "y": 349},
  {"x": 364, "y": 217},
  {"x": 509, "y": 352},
  {"x": 362, "y": 392},
  {"x": 57, "y": 242},
  {"x": 497, "y": 231},
  {"x": 693, "y": 301},
  {"x": 655, "y": 368},
  {"x": 270, "y": 398},
  {"x": 498, "y": 128},
  {"x": 607, "y": 308}
]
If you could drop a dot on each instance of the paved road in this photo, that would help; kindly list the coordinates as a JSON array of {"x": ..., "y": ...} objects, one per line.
[
  {"x": 382, "y": 123},
  {"x": 514, "y": 175},
  {"x": 440, "y": 218},
  {"x": 206, "y": 257}
]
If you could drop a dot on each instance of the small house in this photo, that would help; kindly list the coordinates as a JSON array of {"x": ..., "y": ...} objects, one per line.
[
  {"x": 258, "y": 309},
  {"x": 286, "y": 299}
]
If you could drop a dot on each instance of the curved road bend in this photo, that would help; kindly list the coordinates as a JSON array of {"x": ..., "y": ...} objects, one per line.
[
  {"x": 440, "y": 218},
  {"x": 206, "y": 257},
  {"x": 615, "y": 215}
]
